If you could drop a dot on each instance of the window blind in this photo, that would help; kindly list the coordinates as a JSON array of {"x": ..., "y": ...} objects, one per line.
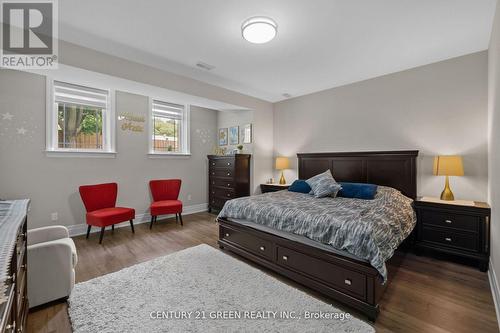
[
  {"x": 170, "y": 110},
  {"x": 80, "y": 95}
]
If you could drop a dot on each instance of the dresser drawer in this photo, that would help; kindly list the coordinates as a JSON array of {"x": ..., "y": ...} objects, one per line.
[
  {"x": 216, "y": 203},
  {"x": 448, "y": 237},
  {"x": 224, "y": 183},
  {"x": 222, "y": 162},
  {"x": 450, "y": 220},
  {"x": 222, "y": 193},
  {"x": 258, "y": 246},
  {"x": 221, "y": 173},
  {"x": 350, "y": 282}
]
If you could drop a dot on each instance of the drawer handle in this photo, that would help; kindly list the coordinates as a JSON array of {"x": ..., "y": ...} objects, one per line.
[
  {"x": 11, "y": 327},
  {"x": 228, "y": 195},
  {"x": 213, "y": 163},
  {"x": 285, "y": 258},
  {"x": 229, "y": 173},
  {"x": 23, "y": 266},
  {"x": 262, "y": 248},
  {"x": 227, "y": 235},
  {"x": 448, "y": 239},
  {"x": 348, "y": 282},
  {"x": 11, "y": 279},
  {"x": 228, "y": 163},
  {"x": 448, "y": 221},
  {"x": 213, "y": 173},
  {"x": 228, "y": 185}
]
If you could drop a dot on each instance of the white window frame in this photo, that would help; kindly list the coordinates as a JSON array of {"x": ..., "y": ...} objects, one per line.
[
  {"x": 185, "y": 144},
  {"x": 108, "y": 126}
]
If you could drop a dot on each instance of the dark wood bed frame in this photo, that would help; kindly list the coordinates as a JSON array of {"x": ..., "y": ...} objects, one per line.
[{"x": 349, "y": 281}]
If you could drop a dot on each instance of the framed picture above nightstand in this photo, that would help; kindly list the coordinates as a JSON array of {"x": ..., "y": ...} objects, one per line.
[{"x": 457, "y": 228}]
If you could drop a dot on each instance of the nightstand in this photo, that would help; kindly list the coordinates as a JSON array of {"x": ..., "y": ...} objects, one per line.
[
  {"x": 273, "y": 187},
  {"x": 455, "y": 229}
]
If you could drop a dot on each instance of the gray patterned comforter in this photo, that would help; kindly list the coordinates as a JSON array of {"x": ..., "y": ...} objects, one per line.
[{"x": 368, "y": 229}]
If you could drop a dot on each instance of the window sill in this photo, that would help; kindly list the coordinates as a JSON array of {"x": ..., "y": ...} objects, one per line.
[
  {"x": 80, "y": 153},
  {"x": 169, "y": 155}
]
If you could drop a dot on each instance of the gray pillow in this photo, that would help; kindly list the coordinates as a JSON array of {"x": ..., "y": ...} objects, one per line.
[{"x": 323, "y": 185}]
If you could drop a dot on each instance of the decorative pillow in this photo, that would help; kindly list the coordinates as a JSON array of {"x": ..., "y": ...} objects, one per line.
[
  {"x": 300, "y": 186},
  {"x": 323, "y": 185},
  {"x": 358, "y": 190}
]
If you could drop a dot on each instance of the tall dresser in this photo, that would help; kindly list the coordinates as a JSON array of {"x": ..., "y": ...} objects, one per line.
[
  {"x": 228, "y": 178},
  {"x": 13, "y": 269}
]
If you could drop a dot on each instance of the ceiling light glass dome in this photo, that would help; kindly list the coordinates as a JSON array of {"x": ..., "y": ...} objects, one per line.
[{"x": 259, "y": 29}]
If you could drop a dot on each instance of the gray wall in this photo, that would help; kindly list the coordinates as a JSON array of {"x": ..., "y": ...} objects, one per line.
[
  {"x": 262, "y": 158},
  {"x": 52, "y": 182},
  {"x": 438, "y": 109},
  {"x": 494, "y": 144}
]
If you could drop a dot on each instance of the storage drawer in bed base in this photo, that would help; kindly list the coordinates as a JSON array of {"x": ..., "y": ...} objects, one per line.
[{"x": 343, "y": 279}]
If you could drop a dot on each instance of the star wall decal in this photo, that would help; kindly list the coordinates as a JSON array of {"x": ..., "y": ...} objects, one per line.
[
  {"x": 21, "y": 131},
  {"x": 7, "y": 116}
]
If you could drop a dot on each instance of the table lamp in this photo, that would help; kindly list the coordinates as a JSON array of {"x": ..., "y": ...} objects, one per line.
[
  {"x": 282, "y": 163},
  {"x": 448, "y": 166}
]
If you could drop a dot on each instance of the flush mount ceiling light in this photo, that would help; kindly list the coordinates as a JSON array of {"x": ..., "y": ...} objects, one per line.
[{"x": 259, "y": 29}]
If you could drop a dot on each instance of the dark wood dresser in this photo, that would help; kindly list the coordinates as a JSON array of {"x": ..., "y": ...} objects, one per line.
[
  {"x": 228, "y": 178},
  {"x": 14, "y": 302},
  {"x": 457, "y": 230}
]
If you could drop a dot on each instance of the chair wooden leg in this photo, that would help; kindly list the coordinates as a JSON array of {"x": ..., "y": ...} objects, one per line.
[
  {"x": 151, "y": 224},
  {"x": 113, "y": 228},
  {"x": 176, "y": 218},
  {"x": 132, "y": 226},
  {"x": 102, "y": 235},
  {"x": 88, "y": 230},
  {"x": 180, "y": 218}
]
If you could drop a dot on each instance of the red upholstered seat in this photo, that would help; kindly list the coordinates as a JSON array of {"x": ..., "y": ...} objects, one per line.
[
  {"x": 107, "y": 216},
  {"x": 165, "y": 194},
  {"x": 166, "y": 207},
  {"x": 100, "y": 202}
]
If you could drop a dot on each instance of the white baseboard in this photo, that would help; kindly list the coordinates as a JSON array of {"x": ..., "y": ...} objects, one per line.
[
  {"x": 494, "y": 290},
  {"x": 81, "y": 229}
]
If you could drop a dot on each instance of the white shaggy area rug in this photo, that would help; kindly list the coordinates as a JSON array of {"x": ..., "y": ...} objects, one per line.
[{"x": 200, "y": 289}]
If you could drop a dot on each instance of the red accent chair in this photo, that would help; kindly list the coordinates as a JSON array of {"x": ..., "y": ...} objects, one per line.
[
  {"x": 100, "y": 202},
  {"x": 165, "y": 193}
]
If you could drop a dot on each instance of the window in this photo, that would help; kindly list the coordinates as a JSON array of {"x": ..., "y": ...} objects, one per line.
[
  {"x": 80, "y": 119},
  {"x": 169, "y": 128}
]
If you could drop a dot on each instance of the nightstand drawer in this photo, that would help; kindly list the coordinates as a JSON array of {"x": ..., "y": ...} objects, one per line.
[
  {"x": 462, "y": 240},
  {"x": 450, "y": 220}
]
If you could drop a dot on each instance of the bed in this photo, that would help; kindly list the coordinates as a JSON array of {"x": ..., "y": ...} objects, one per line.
[{"x": 340, "y": 275}]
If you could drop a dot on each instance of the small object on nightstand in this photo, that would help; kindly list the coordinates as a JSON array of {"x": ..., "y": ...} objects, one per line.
[
  {"x": 265, "y": 188},
  {"x": 460, "y": 230}
]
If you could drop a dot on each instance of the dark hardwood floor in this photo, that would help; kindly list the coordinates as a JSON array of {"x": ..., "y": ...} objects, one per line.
[{"x": 425, "y": 295}]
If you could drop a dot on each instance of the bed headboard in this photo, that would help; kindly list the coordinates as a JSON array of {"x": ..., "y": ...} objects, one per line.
[{"x": 397, "y": 169}]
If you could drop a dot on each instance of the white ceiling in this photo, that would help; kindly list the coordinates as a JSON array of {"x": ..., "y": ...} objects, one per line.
[{"x": 320, "y": 43}]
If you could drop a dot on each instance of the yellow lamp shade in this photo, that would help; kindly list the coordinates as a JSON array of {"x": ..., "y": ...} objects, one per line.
[
  {"x": 282, "y": 163},
  {"x": 448, "y": 166}
]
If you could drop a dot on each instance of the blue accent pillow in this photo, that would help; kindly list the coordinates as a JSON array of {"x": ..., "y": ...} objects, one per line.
[
  {"x": 357, "y": 190},
  {"x": 300, "y": 186}
]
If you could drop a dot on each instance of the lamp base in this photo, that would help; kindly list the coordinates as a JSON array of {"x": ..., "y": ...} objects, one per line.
[
  {"x": 282, "y": 179},
  {"x": 447, "y": 194}
]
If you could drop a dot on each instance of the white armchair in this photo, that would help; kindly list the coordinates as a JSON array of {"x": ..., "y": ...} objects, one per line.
[{"x": 52, "y": 260}]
